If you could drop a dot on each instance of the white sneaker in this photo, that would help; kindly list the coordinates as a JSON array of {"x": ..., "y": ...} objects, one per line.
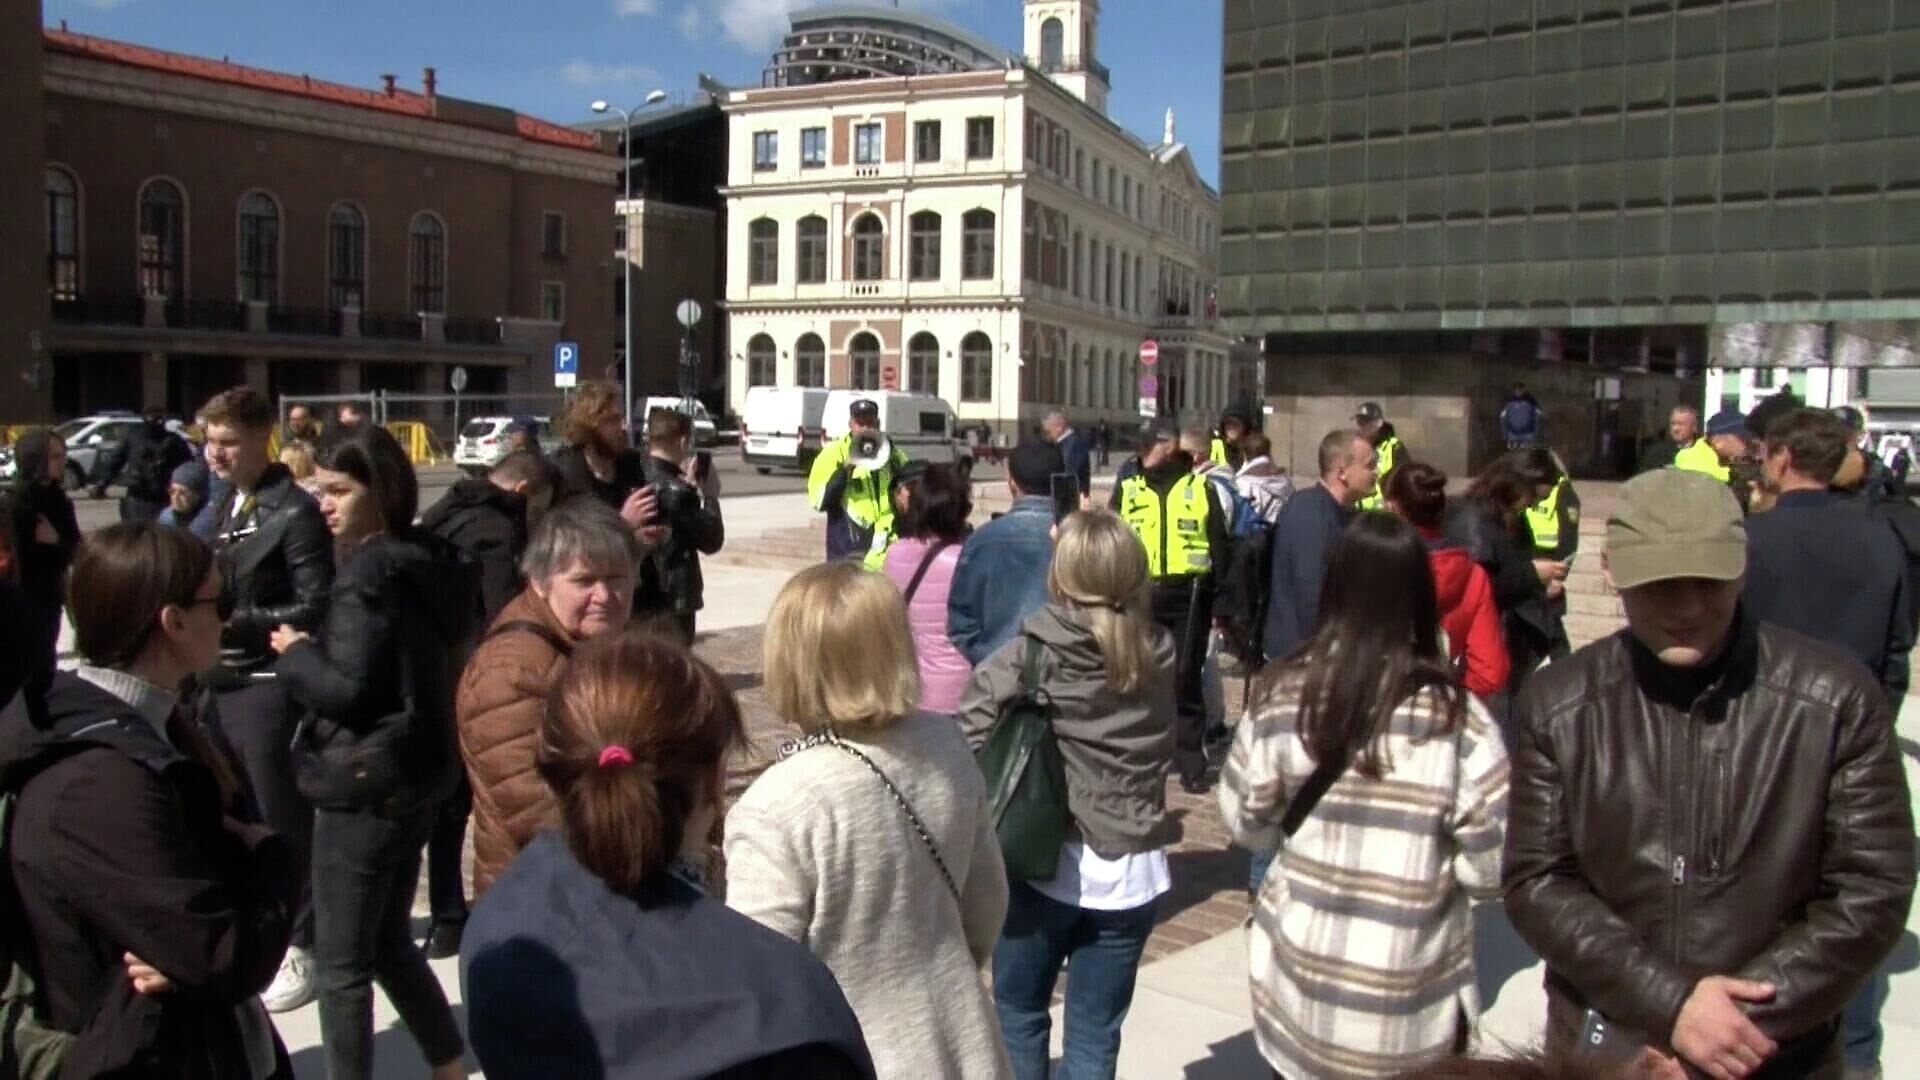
[{"x": 293, "y": 986}]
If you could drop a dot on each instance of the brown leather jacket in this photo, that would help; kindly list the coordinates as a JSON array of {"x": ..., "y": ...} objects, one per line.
[
  {"x": 502, "y": 693},
  {"x": 1759, "y": 828}
]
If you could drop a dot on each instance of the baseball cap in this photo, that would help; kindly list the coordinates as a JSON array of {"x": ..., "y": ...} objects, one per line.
[
  {"x": 1728, "y": 422},
  {"x": 1369, "y": 412},
  {"x": 864, "y": 410},
  {"x": 1675, "y": 523}
]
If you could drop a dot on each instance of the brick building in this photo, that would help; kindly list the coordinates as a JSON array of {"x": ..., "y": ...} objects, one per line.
[
  {"x": 23, "y": 271},
  {"x": 210, "y": 224}
]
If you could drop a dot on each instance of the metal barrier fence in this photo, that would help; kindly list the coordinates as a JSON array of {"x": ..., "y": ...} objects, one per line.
[{"x": 427, "y": 425}]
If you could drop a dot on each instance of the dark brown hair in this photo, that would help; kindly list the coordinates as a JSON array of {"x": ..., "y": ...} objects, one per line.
[
  {"x": 1419, "y": 492},
  {"x": 592, "y": 403},
  {"x": 1256, "y": 445},
  {"x": 122, "y": 577},
  {"x": 939, "y": 506},
  {"x": 676, "y": 719},
  {"x": 529, "y": 468},
  {"x": 667, "y": 425},
  {"x": 242, "y": 407},
  {"x": 1817, "y": 439},
  {"x": 1507, "y": 487},
  {"x": 372, "y": 456}
]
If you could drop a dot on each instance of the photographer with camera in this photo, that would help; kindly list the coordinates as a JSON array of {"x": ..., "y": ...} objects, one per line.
[
  {"x": 852, "y": 482},
  {"x": 688, "y": 496}
]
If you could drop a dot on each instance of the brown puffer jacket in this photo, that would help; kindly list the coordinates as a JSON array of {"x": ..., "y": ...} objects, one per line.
[{"x": 498, "y": 710}]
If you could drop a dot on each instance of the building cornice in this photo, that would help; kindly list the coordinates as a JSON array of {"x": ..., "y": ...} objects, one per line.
[{"x": 116, "y": 84}]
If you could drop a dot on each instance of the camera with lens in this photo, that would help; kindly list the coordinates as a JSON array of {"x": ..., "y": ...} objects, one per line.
[{"x": 674, "y": 498}]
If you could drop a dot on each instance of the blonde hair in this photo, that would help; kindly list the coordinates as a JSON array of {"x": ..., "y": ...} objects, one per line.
[
  {"x": 1100, "y": 568},
  {"x": 839, "y": 651},
  {"x": 297, "y": 456}
]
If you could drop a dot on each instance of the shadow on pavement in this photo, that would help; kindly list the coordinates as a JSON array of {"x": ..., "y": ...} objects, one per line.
[
  {"x": 395, "y": 1054},
  {"x": 1499, "y": 953},
  {"x": 1236, "y": 1058}
]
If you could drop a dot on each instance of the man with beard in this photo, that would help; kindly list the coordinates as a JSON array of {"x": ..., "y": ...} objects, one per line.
[{"x": 597, "y": 462}]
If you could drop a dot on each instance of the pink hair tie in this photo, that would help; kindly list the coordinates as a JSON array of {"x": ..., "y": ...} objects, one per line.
[{"x": 616, "y": 757}]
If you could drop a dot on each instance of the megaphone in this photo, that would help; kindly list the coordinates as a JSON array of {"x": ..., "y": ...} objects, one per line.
[{"x": 870, "y": 450}]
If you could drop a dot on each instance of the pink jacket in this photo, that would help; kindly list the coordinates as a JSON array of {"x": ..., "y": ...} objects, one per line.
[{"x": 943, "y": 671}]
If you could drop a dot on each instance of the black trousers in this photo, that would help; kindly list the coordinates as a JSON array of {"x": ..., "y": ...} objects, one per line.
[
  {"x": 256, "y": 721},
  {"x": 446, "y": 877},
  {"x": 1183, "y": 606}
]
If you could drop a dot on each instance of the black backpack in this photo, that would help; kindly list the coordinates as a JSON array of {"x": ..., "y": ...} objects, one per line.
[{"x": 149, "y": 470}]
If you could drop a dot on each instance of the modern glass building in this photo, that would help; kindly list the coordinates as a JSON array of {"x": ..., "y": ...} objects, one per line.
[{"x": 1643, "y": 180}]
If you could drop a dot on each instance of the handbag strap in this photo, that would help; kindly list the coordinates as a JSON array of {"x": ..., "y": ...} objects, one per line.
[
  {"x": 828, "y": 738},
  {"x": 926, "y": 564},
  {"x": 1309, "y": 795},
  {"x": 1030, "y": 671}
]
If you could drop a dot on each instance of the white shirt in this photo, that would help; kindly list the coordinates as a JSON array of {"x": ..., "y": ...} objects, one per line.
[{"x": 1086, "y": 879}]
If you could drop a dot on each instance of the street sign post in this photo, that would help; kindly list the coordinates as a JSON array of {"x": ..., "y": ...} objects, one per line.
[
  {"x": 1149, "y": 353},
  {"x": 1149, "y": 386},
  {"x": 457, "y": 378},
  {"x": 566, "y": 365},
  {"x": 1149, "y": 407},
  {"x": 688, "y": 313}
]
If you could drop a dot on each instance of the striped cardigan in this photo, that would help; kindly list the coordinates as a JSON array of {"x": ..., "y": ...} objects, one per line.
[{"x": 1361, "y": 954}]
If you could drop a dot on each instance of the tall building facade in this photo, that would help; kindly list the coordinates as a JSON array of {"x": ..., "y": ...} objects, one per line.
[
  {"x": 25, "y": 382},
  {"x": 211, "y": 224},
  {"x": 1640, "y": 186},
  {"x": 909, "y": 207}
]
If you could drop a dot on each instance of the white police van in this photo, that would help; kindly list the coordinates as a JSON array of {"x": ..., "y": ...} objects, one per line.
[{"x": 919, "y": 424}]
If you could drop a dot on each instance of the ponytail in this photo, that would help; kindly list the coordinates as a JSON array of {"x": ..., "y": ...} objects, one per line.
[{"x": 1125, "y": 637}]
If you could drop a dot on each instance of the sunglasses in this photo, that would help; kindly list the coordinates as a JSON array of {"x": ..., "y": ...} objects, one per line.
[{"x": 222, "y": 604}]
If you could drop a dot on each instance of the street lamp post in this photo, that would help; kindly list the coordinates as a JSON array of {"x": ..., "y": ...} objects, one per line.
[{"x": 626, "y": 257}]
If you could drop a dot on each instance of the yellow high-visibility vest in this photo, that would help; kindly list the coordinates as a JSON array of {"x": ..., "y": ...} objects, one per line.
[
  {"x": 1543, "y": 518},
  {"x": 1701, "y": 458},
  {"x": 1173, "y": 529},
  {"x": 1389, "y": 457},
  {"x": 869, "y": 495}
]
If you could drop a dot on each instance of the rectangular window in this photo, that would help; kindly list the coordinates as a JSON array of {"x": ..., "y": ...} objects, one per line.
[
  {"x": 976, "y": 245},
  {"x": 923, "y": 247},
  {"x": 979, "y": 138},
  {"x": 553, "y": 301},
  {"x": 811, "y": 251},
  {"x": 766, "y": 150},
  {"x": 763, "y": 252},
  {"x": 926, "y": 141},
  {"x": 813, "y": 148},
  {"x": 553, "y": 234},
  {"x": 866, "y": 144}
]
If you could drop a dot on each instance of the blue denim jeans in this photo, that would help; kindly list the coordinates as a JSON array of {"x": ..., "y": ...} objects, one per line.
[
  {"x": 1103, "y": 950},
  {"x": 1258, "y": 861},
  {"x": 1860, "y": 1024}
]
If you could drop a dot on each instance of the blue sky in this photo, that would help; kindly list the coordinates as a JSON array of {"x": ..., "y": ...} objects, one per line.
[{"x": 551, "y": 57}]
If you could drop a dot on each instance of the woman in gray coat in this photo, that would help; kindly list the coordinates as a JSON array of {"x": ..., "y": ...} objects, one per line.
[{"x": 1109, "y": 671}]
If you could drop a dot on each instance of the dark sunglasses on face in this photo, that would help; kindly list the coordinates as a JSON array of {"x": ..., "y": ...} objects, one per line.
[{"x": 222, "y": 604}]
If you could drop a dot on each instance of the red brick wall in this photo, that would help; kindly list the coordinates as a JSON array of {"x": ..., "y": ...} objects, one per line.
[{"x": 23, "y": 255}]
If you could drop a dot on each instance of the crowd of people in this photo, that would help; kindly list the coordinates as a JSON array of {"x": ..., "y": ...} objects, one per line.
[{"x": 298, "y": 686}]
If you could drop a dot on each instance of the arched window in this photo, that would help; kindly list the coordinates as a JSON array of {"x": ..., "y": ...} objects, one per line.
[
  {"x": 163, "y": 239},
  {"x": 923, "y": 246},
  {"x": 763, "y": 252},
  {"x": 869, "y": 250},
  {"x": 810, "y": 250},
  {"x": 63, "y": 234},
  {"x": 427, "y": 256},
  {"x": 976, "y": 245},
  {"x": 346, "y": 257},
  {"x": 810, "y": 361},
  {"x": 760, "y": 361},
  {"x": 976, "y": 367},
  {"x": 1052, "y": 45},
  {"x": 259, "y": 247},
  {"x": 864, "y": 352},
  {"x": 923, "y": 364}
]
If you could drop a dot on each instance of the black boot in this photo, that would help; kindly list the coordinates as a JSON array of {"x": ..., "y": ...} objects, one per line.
[{"x": 443, "y": 938}]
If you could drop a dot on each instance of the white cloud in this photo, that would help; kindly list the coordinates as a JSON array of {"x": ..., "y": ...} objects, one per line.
[
  {"x": 588, "y": 73},
  {"x": 758, "y": 25},
  {"x": 690, "y": 22},
  {"x": 635, "y": 7},
  {"x": 105, "y": 5}
]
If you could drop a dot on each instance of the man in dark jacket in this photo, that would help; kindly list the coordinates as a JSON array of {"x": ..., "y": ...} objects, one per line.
[
  {"x": 1310, "y": 525},
  {"x": 276, "y": 558},
  {"x": 689, "y": 503},
  {"x": 1683, "y": 429},
  {"x": 1521, "y": 419},
  {"x": 1709, "y": 839},
  {"x": 1076, "y": 450},
  {"x": 1001, "y": 577},
  {"x": 597, "y": 462},
  {"x": 144, "y": 463}
]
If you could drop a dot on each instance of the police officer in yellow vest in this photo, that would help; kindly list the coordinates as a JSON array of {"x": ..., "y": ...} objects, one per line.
[
  {"x": 1225, "y": 449},
  {"x": 858, "y": 501},
  {"x": 1555, "y": 524},
  {"x": 1372, "y": 422},
  {"x": 1176, "y": 513}
]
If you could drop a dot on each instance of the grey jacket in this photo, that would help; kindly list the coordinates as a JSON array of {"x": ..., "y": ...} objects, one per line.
[{"x": 1116, "y": 747}]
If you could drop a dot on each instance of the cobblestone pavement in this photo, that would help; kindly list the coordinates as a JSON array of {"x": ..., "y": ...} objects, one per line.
[{"x": 1209, "y": 876}]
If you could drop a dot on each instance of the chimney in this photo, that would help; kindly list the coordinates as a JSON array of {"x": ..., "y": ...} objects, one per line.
[
  {"x": 388, "y": 79},
  {"x": 431, "y": 82}
]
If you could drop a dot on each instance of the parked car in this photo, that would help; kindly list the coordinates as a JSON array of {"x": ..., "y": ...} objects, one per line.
[
  {"x": 86, "y": 438},
  {"x": 483, "y": 442},
  {"x": 704, "y": 432},
  {"x": 780, "y": 427}
]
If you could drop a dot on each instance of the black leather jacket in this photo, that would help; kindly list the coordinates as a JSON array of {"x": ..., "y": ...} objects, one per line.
[
  {"x": 277, "y": 564},
  {"x": 1754, "y": 825},
  {"x": 696, "y": 529}
]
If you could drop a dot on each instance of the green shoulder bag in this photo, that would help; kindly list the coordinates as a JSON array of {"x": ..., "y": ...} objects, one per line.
[{"x": 1026, "y": 779}]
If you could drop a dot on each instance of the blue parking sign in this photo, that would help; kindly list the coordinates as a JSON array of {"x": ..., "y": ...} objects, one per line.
[{"x": 566, "y": 364}]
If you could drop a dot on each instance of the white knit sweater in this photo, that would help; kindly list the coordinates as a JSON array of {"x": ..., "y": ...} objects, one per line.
[{"x": 818, "y": 850}]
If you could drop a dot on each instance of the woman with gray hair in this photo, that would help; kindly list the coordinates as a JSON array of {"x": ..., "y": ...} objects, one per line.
[{"x": 580, "y": 567}]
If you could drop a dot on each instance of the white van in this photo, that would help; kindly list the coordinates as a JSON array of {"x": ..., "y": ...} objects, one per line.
[
  {"x": 920, "y": 424},
  {"x": 780, "y": 427}
]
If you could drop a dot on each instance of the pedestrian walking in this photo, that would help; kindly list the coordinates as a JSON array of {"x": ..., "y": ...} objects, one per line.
[
  {"x": 601, "y": 952},
  {"x": 1001, "y": 575},
  {"x": 1710, "y": 838},
  {"x": 375, "y": 752},
  {"x": 277, "y": 559},
  {"x": 143, "y": 463},
  {"x": 147, "y": 902},
  {"x": 922, "y": 562},
  {"x": 581, "y": 564},
  {"x": 1076, "y": 450},
  {"x": 871, "y": 841},
  {"x": 1103, "y": 441},
  {"x": 1108, "y": 672},
  {"x": 46, "y": 534},
  {"x": 1521, "y": 419},
  {"x": 1383, "y": 786},
  {"x": 1475, "y": 644}
]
